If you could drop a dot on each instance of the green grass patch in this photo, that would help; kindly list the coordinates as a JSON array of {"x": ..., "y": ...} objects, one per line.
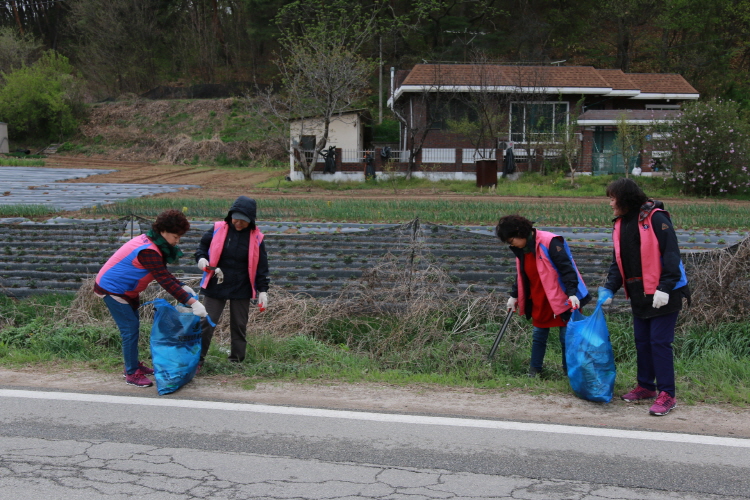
[
  {"x": 25, "y": 161},
  {"x": 27, "y": 210},
  {"x": 528, "y": 185},
  {"x": 486, "y": 210},
  {"x": 712, "y": 364}
]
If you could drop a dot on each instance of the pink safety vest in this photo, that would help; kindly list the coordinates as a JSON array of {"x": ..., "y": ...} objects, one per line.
[
  {"x": 548, "y": 274},
  {"x": 122, "y": 273},
  {"x": 221, "y": 229},
  {"x": 650, "y": 253}
]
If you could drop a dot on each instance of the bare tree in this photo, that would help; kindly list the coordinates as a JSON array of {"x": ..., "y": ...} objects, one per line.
[
  {"x": 568, "y": 141},
  {"x": 629, "y": 140},
  {"x": 532, "y": 117},
  {"x": 322, "y": 72},
  {"x": 420, "y": 113},
  {"x": 485, "y": 109}
]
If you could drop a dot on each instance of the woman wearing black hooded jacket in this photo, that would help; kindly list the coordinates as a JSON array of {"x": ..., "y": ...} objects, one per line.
[{"x": 233, "y": 257}]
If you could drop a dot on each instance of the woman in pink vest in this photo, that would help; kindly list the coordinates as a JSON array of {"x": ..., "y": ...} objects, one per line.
[
  {"x": 129, "y": 271},
  {"x": 647, "y": 262},
  {"x": 548, "y": 286},
  {"x": 232, "y": 256}
]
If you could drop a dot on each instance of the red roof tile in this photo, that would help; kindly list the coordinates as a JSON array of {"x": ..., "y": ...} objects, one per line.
[
  {"x": 617, "y": 79},
  {"x": 545, "y": 76},
  {"x": 662, "y": 83},
  {"x": 524, "y": 76}
]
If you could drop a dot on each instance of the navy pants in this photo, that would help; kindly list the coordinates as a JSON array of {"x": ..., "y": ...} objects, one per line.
[
  {"x": 539, "y": 348},
  {"x": 655, "y": 358}
]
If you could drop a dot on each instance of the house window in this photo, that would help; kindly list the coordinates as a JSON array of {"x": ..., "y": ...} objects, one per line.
[
  {"x": 443, "y": 111},
  {"x": 307, "y": 144},
  {"x": 537, "y": 121}
]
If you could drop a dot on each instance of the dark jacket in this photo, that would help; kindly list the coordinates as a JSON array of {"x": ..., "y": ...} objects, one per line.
[
  {"x": 565, "y": 269},
  {"x": 233, "y": 261},
  {"x": 630, "y": 253}
]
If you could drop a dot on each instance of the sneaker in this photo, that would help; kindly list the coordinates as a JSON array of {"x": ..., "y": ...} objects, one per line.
[
  {"x": 143, "y": 368},
  {"x": 198, "y": 369},
  {"x": 138, "y": 379},
  {"x": 638, "y": 394},
  {"x": 534, "y": 372},
  {"x": 663, "y": 404}
]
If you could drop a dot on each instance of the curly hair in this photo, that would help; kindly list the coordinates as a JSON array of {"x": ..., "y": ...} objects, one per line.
[
  {"x": 628, "y": 195},
  {"x": 171, "y": 221},
  {"x": 513, "y": 226}
]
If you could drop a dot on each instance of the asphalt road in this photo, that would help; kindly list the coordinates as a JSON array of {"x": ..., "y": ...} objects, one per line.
[{"x": 82, "y": 445}]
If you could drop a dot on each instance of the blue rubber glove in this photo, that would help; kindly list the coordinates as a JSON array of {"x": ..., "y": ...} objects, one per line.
[{"x": 605, "y": 296}]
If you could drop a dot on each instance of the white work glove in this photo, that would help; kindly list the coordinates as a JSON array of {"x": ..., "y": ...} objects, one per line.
[
  {"x": 189, "y": 290},
  {"x": 574, "y": 302},
  {"x": 660, "y": 299},
  {"x": 219, "y": 276},
  {"x": 512, "y": 303},
  {"x": 604, "y": 296},
  {"x": 198, "y": 309},
  {"x": 262, "y": 301},
  {"x": 202, "y": 264}
]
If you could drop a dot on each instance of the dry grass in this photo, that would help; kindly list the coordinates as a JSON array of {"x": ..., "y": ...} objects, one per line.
[
  {"x": 126, "y": 130},
  {"x": 400, "y": 304},
  {"x": 183, "y": 149},
  {"x": 720, "y": 285}
]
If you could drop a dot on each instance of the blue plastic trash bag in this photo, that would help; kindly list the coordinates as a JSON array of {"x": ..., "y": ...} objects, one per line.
[
  {"x": 588, "y": 352},
  {"x": 175, "y": 346}
]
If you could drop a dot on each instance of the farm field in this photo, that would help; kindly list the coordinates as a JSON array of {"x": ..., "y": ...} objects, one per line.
[{"x": 319, "y": 260}]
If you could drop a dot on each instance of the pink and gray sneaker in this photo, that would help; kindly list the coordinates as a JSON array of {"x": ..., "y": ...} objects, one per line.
[
  {"x": 638, "y": 394},
  {"x": 143, "y": 368},
  {"x": 663, "y": 404},
  {"x": 138, "y": 379}
]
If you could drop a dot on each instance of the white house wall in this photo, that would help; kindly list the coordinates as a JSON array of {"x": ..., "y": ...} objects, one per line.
[{"x": 344, "y": 132}]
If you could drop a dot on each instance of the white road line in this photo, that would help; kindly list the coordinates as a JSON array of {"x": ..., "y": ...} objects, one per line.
[{"x": 383, "y": 417}]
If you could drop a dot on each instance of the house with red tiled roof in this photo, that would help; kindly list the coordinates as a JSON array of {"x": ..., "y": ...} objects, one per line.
[{"x": 453, "y": 115}]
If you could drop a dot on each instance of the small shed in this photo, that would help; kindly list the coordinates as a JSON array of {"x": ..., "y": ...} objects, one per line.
[
  {"x": 4, "y": 146},
  {"x": 346, "y": 132}
]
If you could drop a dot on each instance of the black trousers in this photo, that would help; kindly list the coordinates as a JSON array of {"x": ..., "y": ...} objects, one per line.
[{"x": 239, "y": 310}]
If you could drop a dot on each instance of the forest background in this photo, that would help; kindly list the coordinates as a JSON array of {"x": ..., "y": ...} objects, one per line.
[{"x": 133, "y": 46}]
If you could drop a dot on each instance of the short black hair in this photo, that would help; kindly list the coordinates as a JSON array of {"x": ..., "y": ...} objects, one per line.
[
  {"x": 627, "y": 194},
  {"x": 171, "y": 221},
  {"x": 513, "y": 226}
]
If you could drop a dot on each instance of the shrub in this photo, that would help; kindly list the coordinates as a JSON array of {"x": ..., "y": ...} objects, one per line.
[
  {"x": 42, "y": 100},
  {"x": 16, "y": 49},
  {"x": 710, "y": 142}
]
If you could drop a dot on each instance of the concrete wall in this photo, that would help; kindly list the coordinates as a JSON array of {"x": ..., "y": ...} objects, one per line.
[{"x": 345, "y": 131}]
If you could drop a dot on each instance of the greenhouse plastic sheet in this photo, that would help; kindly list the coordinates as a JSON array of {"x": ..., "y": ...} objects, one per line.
[{"x": 40, "y": 186}]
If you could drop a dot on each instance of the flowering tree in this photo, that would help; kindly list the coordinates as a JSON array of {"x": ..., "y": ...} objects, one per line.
[{"x": 710, "y": 144}]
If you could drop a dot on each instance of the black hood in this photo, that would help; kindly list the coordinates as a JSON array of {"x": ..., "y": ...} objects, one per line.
[{"x": 244, "y": 205}]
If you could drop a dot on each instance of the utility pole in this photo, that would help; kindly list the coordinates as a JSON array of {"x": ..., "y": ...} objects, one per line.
[{"x": 380, "y": 80}]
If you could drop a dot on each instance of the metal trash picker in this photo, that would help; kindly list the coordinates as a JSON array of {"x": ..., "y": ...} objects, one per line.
[{"x": 500, "y": 335}]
